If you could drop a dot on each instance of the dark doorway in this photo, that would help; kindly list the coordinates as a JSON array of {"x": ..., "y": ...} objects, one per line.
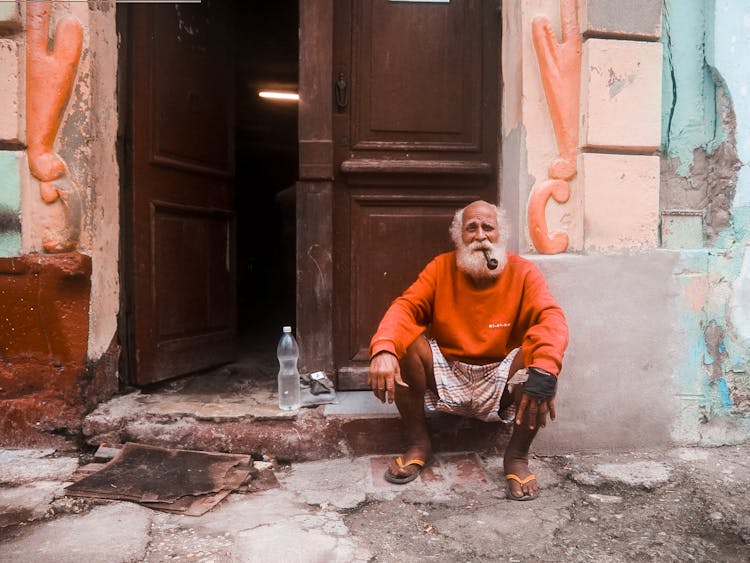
[
  {"x": 267, "y": 169},
  {"x": 208, "y": 216}
]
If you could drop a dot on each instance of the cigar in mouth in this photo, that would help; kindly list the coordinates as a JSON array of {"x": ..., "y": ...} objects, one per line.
[{"x": 491, "y": 262}]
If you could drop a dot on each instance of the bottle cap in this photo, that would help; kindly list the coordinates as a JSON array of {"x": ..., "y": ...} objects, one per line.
[{"x": 287, "y": 329}]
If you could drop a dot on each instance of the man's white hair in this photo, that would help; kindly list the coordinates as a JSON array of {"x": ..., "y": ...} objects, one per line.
[{"x": 502, "y": 225}]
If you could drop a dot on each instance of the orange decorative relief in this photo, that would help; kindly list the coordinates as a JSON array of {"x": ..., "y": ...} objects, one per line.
[
  {"x": 50, "y": 76},
  {"x": 560, "y": 67}
]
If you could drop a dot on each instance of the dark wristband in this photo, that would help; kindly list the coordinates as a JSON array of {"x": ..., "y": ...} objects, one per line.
[{"x": 540, "y": 384}]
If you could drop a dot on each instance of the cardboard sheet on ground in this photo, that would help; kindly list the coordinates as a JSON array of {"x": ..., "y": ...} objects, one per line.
[{"x": 182, "y": 481}]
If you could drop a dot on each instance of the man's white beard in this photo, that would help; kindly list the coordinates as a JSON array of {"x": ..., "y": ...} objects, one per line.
[{"x": 470, "y": 260}]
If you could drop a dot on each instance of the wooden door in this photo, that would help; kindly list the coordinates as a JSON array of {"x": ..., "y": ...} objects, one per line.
[
  {"x": 181, "y": 281},
  {"x": 415, "y": 134}
]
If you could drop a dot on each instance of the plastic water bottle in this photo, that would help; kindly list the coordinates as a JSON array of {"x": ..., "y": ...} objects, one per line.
[{"x": 288, "y": 353}]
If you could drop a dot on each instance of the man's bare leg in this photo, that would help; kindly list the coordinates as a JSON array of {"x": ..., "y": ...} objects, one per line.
[
  {"x": 516, "y": 456},
  {"x": 417, "y": 372},
  {"x": 516, "y": 461}
]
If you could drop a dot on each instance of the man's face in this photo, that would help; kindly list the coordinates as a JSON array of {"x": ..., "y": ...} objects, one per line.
[
  {"x": 479, "y": 225},
  {"x": 479, "y": 230}
]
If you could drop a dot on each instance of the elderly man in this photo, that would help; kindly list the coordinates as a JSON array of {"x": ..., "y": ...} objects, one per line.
[{"x": 478, "y": 334}]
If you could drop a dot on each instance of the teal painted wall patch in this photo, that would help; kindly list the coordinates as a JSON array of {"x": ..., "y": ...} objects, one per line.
[{"x": 10, "y": 204}]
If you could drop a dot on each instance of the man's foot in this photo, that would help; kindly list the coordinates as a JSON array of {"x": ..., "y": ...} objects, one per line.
[
  {"x": 521, "y": 484},
  {"x": 407, "y": 467}
]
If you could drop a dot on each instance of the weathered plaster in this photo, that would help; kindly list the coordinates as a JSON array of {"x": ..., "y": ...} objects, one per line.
[
  {"x": 621, "y": 95},
  {"x": 689, "y": 89},
  {"x": 706, "y": 114},
  {"x": 524, "y": 105},
  {"x": 514, "y": 179},
  {"x": 732, "y": 43},
  {"x": 560, "y": 70},
  {"x": 50, "y": 76},
  {"x": 44, "y": 306},
  {"x": 10, "y": 204},
  {"x": 87, "y": 143},
  {"x": 9, "y": 91},
  {"x": 513, "y": 157},
  {"x": 615, "y": 18},
  {"x": 616, "y": 389},
  {"x": 740, "y": 304},
  {"x": 621, "y": 201},
  {"x": 10, "y": 16},
  {"x": 710, "y": 186},
  {"x": 682, "y": 229},
  {"x": 101, "y": 227}
]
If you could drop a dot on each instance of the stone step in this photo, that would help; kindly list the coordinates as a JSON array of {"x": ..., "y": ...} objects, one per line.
[{"x": 234, "y": 419}]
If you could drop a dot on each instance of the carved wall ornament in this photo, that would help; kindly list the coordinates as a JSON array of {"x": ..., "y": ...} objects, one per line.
[
  {"x": 50, "y": 75},
  {"x": 560, "y": 68}
]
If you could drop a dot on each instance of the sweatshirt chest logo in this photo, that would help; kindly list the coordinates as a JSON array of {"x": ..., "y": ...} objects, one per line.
[{"x": 498, "y": 325}]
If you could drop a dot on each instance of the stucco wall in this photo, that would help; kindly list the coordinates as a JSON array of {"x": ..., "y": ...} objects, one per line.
[
  {"x": 59, "y": 215},
  {"x": 86, "y": 141},
  {"x": 101, "y": 226},
  {"x": 616, "y": 390},
  {"x": 11, "y": 135},
  {"x": 10, "y": 203},
  {"x": 704, "y": 170},
  {"x": 654, "y": 279}
]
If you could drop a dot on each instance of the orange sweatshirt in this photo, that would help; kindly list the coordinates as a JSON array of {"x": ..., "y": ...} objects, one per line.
[{"x": 478, "y": 326}]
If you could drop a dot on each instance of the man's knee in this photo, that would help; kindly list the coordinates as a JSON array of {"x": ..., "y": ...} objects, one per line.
[{"x": 416, "y": 365}]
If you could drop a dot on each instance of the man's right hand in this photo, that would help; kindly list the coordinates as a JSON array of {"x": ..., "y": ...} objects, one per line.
[{"x": 384, "y": 374}]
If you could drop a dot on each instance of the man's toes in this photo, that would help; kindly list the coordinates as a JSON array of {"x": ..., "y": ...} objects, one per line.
[
  {"x": 516, "y": 492},
  {"x": 397, "y": 471}
]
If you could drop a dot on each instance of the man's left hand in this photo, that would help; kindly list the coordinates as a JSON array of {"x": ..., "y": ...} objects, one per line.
[{"x": 533, "y": 412}]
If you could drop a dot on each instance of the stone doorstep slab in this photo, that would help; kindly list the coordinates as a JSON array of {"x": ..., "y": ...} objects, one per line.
[{"x": 357, "y": 425}]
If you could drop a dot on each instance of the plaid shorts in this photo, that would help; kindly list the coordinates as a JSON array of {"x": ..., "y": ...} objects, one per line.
[{"x": 470, "y": 390}]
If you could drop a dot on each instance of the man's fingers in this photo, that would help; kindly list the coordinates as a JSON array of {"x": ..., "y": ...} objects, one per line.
[
  {"x": 375, "y": 381},
  {"x": 552, "y": 409},
  {"x": 541, "y": 417},
  {"x": 389, "y": 387},
  {"x": 383, "y": 368},
  {"x": 521, "y": 409},
  {"x": 533, "y": 410},
  {"x": 398, "y": 379},
  {"x": 380, "y": 394},
  {"x": 378, "y": 388}
]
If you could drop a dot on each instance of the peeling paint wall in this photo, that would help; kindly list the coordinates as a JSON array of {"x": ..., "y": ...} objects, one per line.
[
  {"x": 614, "y": 284},
  {"x": 86, "y": 142},
  {"x": 11, "y": 159},
  {"x": 58, "y": 125},
  {"x": 672, "y": 318},
  {"x": 706, "y": 116},
  {"x": 10, "y": 204}
]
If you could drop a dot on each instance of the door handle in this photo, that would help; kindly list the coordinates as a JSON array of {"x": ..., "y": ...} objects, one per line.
[{"x": 342, "y": 94}]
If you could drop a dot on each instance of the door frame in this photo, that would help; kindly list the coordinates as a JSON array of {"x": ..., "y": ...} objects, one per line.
[
  {"x": 124, "y": 158},
  {"x": 315, "y": 188}
]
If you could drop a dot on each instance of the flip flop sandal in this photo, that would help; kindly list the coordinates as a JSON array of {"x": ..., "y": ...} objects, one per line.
[
  {"x": 517, "y": 479},
  {"x": 403, "y": 479}
]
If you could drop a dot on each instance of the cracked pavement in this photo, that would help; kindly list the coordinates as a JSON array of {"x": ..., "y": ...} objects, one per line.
[{"x": 681, "y": 504}]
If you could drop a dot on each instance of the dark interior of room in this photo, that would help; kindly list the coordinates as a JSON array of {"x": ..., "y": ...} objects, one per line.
[{"x": 267, "y": 169}]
